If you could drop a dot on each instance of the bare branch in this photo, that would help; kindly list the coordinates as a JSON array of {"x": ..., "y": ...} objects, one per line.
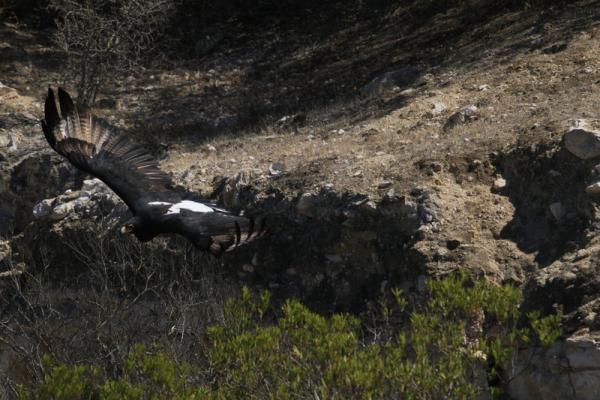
[{"x": 103, "y": 39}]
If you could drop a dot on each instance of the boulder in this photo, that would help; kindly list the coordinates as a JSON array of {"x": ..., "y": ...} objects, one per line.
[
  {"x": 276, "y": 169},
  {"x": 307, "y": 205},
  {"x": 293, "y": 121},
  {"x": 391, "y": 80},
  {"x": 36, "y": 177},
  {"x": 438, "y": 108},
  {"x": 594, "y": 188},
  {"x": 43, "y": 208},
  {"x": 94, "y": 200},
  {"x": 499, "y": 183},
  {"x": 462, "y": 116},
  {"x": 94, "y": 186},
  {"x": 582, "y": 141}
]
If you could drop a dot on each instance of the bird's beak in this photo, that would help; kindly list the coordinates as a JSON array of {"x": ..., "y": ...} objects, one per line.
[{"x": 126, "y": 229}]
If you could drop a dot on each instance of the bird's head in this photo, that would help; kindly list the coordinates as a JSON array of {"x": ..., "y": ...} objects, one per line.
[
  {"x": 140, "y": 228},
  {"x": 132, "y": 226},
  {"x": 127, "y": 229}
]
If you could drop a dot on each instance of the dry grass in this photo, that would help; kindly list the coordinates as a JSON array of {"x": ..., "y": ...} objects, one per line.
[{"x": 116, "y": 292}]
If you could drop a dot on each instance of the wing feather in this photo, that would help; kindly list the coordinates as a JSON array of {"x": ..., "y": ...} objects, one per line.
[
  {"x": 220, "y": 232},
  {"x": 97, "y": 149}
]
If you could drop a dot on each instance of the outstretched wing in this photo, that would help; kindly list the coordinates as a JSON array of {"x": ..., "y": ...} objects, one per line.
[
  {"x": 218, "y": 231},
  {"x": 94, "y": 147}
]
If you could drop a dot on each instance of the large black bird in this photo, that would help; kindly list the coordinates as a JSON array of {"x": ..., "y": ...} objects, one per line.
[{"x": 98, "y": 149}]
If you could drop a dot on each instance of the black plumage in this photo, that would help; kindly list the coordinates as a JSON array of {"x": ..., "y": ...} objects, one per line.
[{"x": 133, "y": 174}]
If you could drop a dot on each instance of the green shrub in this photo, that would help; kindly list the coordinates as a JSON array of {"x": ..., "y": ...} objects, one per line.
[
  {"x": 439, "y": 352},
  {"x": 547, "y": 329},
  {"x": 63, "y": 382},
  {"x": 144, "y": 376}
]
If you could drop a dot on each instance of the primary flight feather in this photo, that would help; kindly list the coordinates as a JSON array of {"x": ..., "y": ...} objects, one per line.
[{"x": 133, "y": 174}]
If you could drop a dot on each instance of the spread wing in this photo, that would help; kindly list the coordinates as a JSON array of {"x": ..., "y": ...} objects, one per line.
[
  {"x": 94, "y": 147},
  {"x": 220, "y": 231}
]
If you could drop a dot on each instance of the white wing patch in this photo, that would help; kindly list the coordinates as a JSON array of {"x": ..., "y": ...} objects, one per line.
[
  {"x": 186, "y": 205},
  {"x": 191, "y": 206},
  {"x": 159, "y": 203}
]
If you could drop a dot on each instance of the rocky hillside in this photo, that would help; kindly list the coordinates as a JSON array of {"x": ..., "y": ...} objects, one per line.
[{"x": 384, "y": 153}]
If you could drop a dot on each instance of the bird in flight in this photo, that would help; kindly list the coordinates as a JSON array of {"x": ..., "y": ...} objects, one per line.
[{"x": 96, "y": 148}]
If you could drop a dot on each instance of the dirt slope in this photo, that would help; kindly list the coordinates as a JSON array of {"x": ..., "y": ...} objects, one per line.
[{"x": 381, "y": 184}]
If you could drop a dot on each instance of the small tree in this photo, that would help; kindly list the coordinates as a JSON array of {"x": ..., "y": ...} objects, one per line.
[{"x": 104, "y": 38}]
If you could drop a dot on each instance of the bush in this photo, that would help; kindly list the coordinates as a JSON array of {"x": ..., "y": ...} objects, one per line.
[
  {"x": 103, "y": 38},
  {"x": 438, "y": 354},
  {"x": 145, "y": 376}
]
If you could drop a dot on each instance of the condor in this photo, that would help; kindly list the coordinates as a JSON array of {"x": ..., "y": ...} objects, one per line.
[{"x": 96, "y": 148}]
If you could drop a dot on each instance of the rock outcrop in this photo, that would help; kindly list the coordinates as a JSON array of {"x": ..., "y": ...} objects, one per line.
[
  {"x": 570, "y": 369},
  {"x": 94, "y": 200}
]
